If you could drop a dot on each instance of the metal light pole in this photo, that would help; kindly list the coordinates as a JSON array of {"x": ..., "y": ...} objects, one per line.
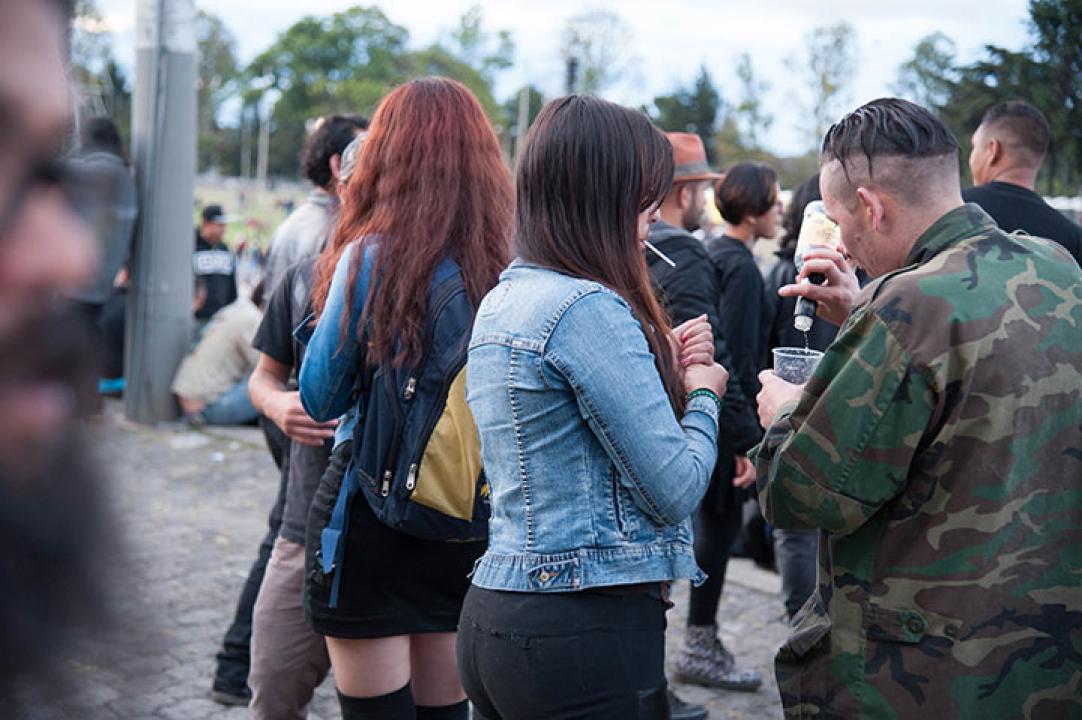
[{"x": 163, "y": 148}]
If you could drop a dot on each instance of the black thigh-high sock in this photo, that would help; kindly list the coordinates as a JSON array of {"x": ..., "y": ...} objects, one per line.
[
  {"x": 458, "y": 711},
  {"x": 394, "y": 706}
]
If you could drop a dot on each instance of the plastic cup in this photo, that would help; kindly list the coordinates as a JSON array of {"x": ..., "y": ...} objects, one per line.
[{"x": 795, "y": 365}]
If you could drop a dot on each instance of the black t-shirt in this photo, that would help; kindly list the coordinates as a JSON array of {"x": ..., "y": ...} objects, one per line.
[
  {"x": 1014, "y": 207},
  {"x": 215, "y": 267},
  {"x": 287, "y": 307}
]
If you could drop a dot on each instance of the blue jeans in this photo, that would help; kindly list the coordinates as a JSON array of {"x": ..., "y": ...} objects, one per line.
[
  {"x": 232, "y": 408},
  {"x": 796, "y": 554}
]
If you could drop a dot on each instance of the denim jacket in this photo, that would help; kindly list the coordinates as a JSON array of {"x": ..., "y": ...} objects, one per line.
[
  {"x": 593, "y": 479},
  {"x": 329, "y": 372}
]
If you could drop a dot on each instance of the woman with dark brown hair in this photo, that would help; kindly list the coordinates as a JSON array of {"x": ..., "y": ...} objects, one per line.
[
  {"x": 598, "y": 429},
  {"x": 430, "y": 188}
]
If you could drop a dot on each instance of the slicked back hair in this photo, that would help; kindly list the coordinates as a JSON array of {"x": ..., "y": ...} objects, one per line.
[
  {"x": 1025, "y": 126},
  {"x": 894, "y": 144}
]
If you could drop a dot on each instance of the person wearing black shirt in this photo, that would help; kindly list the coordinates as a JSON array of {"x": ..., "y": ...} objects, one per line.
[
  {"x": 795, "y": 551},
  {"x": 1008, "y": 148},
  {"x": 214, "y": 264},
  {"x": 287, "y": 660},
  {"x": 687, "y": 291}
]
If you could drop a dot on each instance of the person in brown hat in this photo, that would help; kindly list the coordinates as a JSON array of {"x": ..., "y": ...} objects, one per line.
[{"x": 689, "y": 288}]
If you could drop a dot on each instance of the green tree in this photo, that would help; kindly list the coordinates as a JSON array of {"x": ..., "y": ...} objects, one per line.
[
  {"x": 693, "y": 110},
  {"x": 347, "y": 62},
  {"x": 486, "y": 52},
  {"x": 100, "y": 84},
  {"x": 91, "y": 41},
  {"x": 594, "y": 48},
  {"x": 216, "y": 83},
  {"x": 437, "y": 60},
  {"x": 930, "y": 75},
  {"x": 829, "y": 66},
  {"x": 1056, "y": 29},
  {"x": 342, "y": 63},
  {"x": 753, "y": 118}
]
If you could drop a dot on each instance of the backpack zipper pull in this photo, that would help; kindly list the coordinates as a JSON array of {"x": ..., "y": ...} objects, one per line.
[
  {"x": 386, "y": 487},
  {"x": 411, "y": 388},
  {"x": 411, "y": 479}
]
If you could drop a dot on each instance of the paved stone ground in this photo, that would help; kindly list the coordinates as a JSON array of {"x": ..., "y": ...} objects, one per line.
[{"x": 192, "y": 508}]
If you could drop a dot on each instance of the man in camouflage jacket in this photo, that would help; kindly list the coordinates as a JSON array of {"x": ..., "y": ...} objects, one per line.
[{"x": 938, "y": 448}]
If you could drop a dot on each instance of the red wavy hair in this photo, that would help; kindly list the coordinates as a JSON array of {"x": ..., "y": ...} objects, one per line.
[{"x": 429, "y": 183}]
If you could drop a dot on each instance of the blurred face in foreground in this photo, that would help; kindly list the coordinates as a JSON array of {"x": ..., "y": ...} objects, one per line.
[
  {"x": 45, "y": 251},
  {"x": 51, "y": 519}
]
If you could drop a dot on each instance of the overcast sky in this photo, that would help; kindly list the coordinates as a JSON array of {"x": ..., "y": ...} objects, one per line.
[{"x": 669, "y": 40}]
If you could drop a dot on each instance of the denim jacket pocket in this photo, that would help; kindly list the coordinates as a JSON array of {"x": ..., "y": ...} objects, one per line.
[
  {"x": 554, "y": 575},
  {"x": 623, "y": 506}
]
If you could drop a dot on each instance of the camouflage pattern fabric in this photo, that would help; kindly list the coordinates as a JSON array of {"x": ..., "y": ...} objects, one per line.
[{"x": 938, "y": 447}]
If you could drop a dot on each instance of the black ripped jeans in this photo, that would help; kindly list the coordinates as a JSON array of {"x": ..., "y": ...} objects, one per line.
[{"x": 558, "y": 656}]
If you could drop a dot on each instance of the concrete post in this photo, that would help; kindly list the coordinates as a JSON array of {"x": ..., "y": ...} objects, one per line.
[{"x": 163, "y": 148}]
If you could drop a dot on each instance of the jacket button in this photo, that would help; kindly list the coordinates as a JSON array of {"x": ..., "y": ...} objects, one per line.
[
  {"x": 544, "y": 576},
  {"x": 951, "y": 631},
  {"x": 915, "y": 626}
]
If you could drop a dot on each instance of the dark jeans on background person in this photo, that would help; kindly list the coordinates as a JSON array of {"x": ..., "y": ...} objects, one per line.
[
  {"x": 234, "y": 659},
  {"x": 716, "y": 527},
  {"x": 796, "y": 553},
  {"x": 556, "y": 656}
]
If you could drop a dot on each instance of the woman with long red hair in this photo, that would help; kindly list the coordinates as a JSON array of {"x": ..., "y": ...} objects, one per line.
[{"x": 430, "y": 187}]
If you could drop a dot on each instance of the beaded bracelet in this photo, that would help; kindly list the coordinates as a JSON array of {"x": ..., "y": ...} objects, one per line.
[{"x": 705, "y": 392}]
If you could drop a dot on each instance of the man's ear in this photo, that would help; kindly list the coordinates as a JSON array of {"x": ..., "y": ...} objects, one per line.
[
  {"x": 687, "y": 195},
  {"x": 995, "y": 151},
  {"x": 336, "y": 167},
  {"x": 872, "y": 207}
]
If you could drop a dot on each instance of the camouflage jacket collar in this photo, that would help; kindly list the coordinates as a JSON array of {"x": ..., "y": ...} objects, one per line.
[{"x": 959, "y": 224}]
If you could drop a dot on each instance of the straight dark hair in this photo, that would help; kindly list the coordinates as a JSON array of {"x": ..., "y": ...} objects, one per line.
[
  {"x": 747, "y": 190},
  {"x": 588, "y": 168}
]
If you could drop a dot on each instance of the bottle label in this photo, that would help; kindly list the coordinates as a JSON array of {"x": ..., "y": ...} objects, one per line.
[{"x": 817, "y": 230}]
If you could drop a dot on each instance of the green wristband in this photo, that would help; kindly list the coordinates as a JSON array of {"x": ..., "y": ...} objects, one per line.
[{"x": 705, "y": 392}]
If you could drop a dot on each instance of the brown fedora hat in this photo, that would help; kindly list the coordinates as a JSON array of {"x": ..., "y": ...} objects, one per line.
[{"x": 689, "y": 156}]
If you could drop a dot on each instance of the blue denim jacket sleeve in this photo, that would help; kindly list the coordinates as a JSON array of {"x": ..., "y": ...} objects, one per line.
[
  {"x": 599, "y": 348},
  {"x": 329, "y": 371}
]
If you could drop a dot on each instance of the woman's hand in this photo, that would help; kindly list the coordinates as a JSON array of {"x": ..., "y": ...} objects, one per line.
[
  {"x": 710, "y": 377},
  {"x": 694, "y": 342}
]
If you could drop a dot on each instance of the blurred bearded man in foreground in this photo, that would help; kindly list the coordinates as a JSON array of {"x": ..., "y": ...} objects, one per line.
[{"x": 50, "y": 512}]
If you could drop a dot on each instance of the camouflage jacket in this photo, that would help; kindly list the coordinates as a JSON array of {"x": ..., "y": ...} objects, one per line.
[{"x": 938, "y": 447}]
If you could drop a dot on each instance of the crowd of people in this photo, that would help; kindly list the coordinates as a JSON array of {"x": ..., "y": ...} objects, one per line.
[{"x": 506, "y": 425}]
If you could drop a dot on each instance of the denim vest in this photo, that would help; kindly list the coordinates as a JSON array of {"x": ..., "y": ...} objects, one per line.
[{"x": 593, "y": 478}]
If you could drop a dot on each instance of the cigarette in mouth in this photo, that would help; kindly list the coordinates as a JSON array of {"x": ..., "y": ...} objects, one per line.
[{"x": 659, "y": 253}]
